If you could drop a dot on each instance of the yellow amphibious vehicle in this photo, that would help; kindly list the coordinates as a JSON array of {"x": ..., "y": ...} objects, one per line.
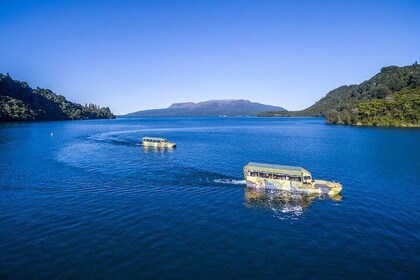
[
  {"x": 157, "y": 142},
  {"x": 288, "y": 178}
]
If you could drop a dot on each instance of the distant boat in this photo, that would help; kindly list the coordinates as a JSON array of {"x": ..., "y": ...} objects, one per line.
[
  {"x": 288, "y": 178},
  {"x": 157, "y": 142}
]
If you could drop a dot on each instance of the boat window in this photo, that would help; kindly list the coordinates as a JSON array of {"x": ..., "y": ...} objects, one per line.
[
  {"x": 279, "y": 176},
  {"x": 295, "y": 178},
  {"x": 307, "y": 178},
  {"x": 284, "y": 177},
  {"x": 265, "y": 175},
  {"x": 253, "y": 173}
]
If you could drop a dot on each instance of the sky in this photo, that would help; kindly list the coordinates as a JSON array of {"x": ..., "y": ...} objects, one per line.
[{"x": 135, "y": 55}]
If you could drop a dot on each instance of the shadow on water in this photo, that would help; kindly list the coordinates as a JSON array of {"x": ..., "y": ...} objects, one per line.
[{"x": 284, "y": 204}]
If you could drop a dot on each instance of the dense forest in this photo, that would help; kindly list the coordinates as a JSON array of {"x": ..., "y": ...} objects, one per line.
[
  {"x": 390, "y": 98},
  {"x": 19, "y": 102}
]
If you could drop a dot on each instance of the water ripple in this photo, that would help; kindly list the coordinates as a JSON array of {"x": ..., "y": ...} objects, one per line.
[{"x": 92, "y": 203}]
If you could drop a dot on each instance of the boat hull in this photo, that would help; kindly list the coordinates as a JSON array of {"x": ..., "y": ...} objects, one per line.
[
  {"x": 319, "y": 187},
  {"x": 159, "y": 145}
]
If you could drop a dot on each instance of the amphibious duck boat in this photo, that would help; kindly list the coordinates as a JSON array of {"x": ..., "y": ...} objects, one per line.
[
  {"x": 157, "y": 142},
  {"x": 288, "y": 178}
]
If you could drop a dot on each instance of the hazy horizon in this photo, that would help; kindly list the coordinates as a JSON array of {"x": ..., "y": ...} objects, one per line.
[{"x": 133, "y": 56}]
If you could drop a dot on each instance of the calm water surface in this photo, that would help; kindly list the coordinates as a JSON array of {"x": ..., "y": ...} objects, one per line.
[{"x": 90, "y": 202}]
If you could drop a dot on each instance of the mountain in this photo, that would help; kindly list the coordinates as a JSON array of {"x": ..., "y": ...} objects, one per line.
[
  {"x": 390, "y": 98},
  {"x": 228, "y": 107},
  {"x": 19, "y": 102}
]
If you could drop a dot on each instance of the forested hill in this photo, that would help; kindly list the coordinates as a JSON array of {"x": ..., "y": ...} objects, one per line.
[
  {"x": 19, "y": 102},
  {"x": 390, "y": 98}
]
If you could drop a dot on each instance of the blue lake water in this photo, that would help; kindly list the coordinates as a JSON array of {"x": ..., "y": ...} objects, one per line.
[{"x": 90, "y": 202}]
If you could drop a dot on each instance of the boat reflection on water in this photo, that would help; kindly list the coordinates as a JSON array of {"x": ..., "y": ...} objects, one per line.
[
  {"x": 284, "y": 204},
  {"x": 150, "y": 149}
]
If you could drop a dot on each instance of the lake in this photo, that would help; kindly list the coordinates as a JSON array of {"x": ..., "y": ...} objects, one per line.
[{"x": 83, "y": 199}]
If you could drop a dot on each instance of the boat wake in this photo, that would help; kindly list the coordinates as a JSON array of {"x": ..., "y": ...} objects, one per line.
[{"x": 230, "y": 181}]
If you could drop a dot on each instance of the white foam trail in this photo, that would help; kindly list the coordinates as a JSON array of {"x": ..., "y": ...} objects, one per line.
[
  {"x": 230, "y": 182},
  {"x": 163, "y": 129}
]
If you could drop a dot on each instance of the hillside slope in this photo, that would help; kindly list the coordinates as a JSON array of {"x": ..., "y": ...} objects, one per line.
[
  {"x": 390, "y": 98},
  {"x": 19, "y": 102}
]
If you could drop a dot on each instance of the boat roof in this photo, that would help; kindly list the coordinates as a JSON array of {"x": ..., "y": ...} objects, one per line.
[
  {"x": 277, "y": 168},
  {"x": 153, "y": 138}
]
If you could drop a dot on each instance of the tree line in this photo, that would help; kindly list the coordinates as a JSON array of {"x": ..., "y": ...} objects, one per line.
[
  {"x": 390, "y": 98},
  {"x": 19, "y": 102}
]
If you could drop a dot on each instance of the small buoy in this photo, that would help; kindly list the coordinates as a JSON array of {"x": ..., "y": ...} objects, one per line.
[{"x": 52, "y": 134}]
